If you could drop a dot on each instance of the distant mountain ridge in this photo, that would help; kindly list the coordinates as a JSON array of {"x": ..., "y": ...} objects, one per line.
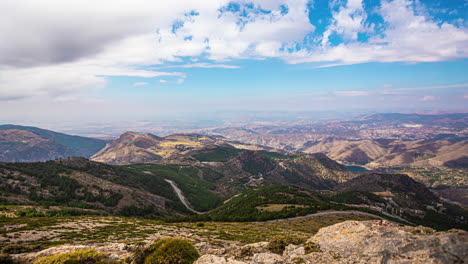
[
  {"x": 131, "y": 147},
  {"x": 393, "y": 153},
  {"x": 439, "y": 119},
  {"x": 374, "y": 141},
  {"x": 30, "y": 144},
  {"x": 239, "y": 163}
]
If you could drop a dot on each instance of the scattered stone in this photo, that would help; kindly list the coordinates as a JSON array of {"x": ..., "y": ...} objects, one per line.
[
  {"x": 347, "y": 242},
  {"x": 362, "y": 242},
  {"x": 211, "y": 259}
]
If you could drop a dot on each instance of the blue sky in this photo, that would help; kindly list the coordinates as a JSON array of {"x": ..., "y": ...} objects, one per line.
[{"x": 88, "y": 60}]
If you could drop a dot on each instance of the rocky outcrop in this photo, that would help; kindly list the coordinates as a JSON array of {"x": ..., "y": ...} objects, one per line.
[
  {"x": 361, "y": 242},
  {"x": 357, "y": 242},
  {"x": 383, "y": 242}
]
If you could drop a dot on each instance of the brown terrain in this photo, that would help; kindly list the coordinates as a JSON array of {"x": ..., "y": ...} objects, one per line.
[
  {"x": 22, "y": 146},
  {"x": 374, "y": 141},
  {"x": 324, "y": 239},
  {"x": 133, "y": 147},
  {"x": 393, "y": 153}
]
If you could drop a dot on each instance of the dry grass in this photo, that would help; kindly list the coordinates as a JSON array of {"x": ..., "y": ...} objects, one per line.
[
  {"x": 172, "y": 144},
  {"x": 277, "y": 207},
  {"x": 387, "y": 194}
]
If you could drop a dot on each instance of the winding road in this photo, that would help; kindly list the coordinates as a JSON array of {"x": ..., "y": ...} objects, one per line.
[
  {"x": 328, "y": 213},
  {"x": 186, "y": 203},
  {"x": 181, "y": 196}
]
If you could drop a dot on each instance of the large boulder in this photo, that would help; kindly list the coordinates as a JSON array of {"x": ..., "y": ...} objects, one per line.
[
  {"x": 361, "y": 242},
  {"x": 384, "y": 242}
]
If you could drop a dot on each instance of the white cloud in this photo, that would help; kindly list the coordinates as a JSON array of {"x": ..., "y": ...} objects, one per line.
[
  {"x": 352, "y": 93},
  {"x": 48, "y": 40},
  {"x": 201, "y": 65},
  {"x": 140, "y": 84},
  {"x": 428, "y": 98},
  {"x": 180, "y": 81},
  {"x": 408, "y": 37},
  {"x": 55, "y": 47},
  {"x": 347, "y": 22},
  {"x": 60, "y": 79},
  {"x": 163, "y": 81}
]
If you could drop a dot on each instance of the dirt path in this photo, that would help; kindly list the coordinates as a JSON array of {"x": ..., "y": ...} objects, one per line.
[
  {"x": 329, "y": 213},
  {"x": 181, "y": 196}
]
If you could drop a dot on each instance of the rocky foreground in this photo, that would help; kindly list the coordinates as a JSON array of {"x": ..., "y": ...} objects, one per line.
[
  {"x": 373, "y": 241},
  {"x": 361, "y": 242}
]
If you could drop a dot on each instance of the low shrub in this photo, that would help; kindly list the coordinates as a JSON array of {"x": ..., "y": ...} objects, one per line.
[
  {"x": 278, "y": 244},
  {"x": 310, "y": 247},
  {"x": 89, "y": 256},
  {"x": 19, "y": 248},
  {"x": 168, "y": 251}
]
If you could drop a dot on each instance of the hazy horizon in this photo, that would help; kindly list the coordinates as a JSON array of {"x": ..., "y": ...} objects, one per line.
[{"x": 67, "y": 64}]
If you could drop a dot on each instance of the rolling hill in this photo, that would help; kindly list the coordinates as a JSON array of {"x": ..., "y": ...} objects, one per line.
[
  {"x": 400, "y": 195},
  {"x": 239, "y": 164},
  {"x": 374, "y": 141},
  {"x": 131, "y": 147},
  {"x": 207, "y": 177},
  {"x": 80, "y": 184},
  {"x": 380, "y": 153},
  {"x": 232, "y": 190},
  {"x": 30, "y": 144}
]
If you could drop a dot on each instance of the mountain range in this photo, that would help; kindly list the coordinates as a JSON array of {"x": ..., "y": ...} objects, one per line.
[
  {"x": 133, "y": 147},
  {"x": 140, "y": 174},
  {"x": 28, "y": 144},
  {"x": 378, "y": 153},
  {"x": 220, "y": 193},
  {"x": 373, "y": 141}
]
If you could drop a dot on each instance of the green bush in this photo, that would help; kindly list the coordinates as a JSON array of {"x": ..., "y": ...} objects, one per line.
[
  {"x": 310, "y": 247},
  {"x": 278, "y": 244},
  {"x": 89, "y": 256},
  {"x": 19, "y": 248},
  {"x": 171, "y": 251}
]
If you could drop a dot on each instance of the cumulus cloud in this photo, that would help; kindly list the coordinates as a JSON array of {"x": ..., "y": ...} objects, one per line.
[
  {"x": 408, "y": 37},
  {"x": 347, "y": 22},
  {"x": 55, "y": 47}
]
